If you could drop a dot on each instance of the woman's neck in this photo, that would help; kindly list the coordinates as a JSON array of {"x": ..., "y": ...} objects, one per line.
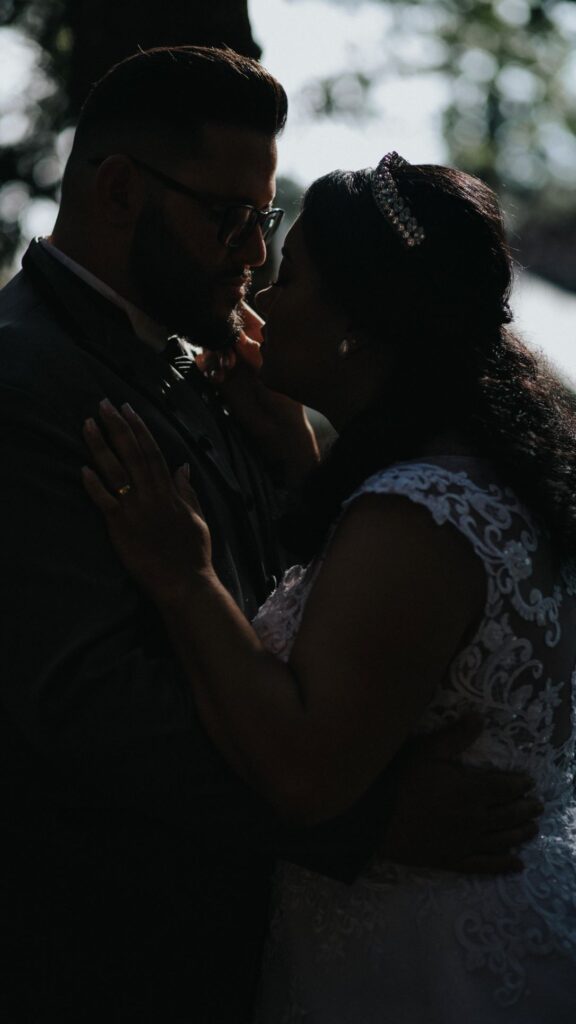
[{"x": 447, "y": 443}]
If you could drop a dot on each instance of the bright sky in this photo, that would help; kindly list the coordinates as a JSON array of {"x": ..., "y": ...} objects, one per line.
[
  {"x": 303, "y": 40},
  {"x": 306, "y": 39}
]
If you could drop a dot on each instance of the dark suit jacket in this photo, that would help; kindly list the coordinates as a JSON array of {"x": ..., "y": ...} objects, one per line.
[
  {"x": 136, "y": 884},
  {"x": 138, "y": 874}
]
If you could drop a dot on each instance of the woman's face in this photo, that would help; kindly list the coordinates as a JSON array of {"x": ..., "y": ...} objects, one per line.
[{"x": 304, "y": 328}]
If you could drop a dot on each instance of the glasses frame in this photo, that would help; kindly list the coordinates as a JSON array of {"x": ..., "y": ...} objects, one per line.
[{"x": 268, "y": 220}]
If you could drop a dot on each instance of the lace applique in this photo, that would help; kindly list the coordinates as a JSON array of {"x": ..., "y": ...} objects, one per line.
[
  {"x": 277, "y": 621},
  {"x": 529, "y": 621},
  {"x": 568, "y": 572}
]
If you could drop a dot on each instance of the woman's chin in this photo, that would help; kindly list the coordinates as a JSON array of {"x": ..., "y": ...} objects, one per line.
[
  {"x": 277, "y": 383},
  {"x": 266, "y": 373}
]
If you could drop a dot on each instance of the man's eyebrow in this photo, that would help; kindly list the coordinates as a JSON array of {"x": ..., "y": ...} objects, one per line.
[
  {"x": 234, "y": 200},
  {"x": 244, "y": 199}
]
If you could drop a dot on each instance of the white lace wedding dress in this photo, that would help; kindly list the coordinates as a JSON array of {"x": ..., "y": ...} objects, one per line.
[{"x": 404, "y": 946}]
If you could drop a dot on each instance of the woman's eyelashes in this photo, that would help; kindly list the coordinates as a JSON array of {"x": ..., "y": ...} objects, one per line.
[
  {"x": 278, "y": 281},
  {"x": 281, "y": 278}
]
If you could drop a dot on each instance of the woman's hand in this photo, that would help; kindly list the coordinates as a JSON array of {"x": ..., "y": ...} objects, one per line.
[
  {"x": 277, "y": 424},
  {"x": 154, "y": 520},
  {"x": 219, "y": 366}
]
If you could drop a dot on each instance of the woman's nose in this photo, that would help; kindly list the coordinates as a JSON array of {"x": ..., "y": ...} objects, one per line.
[{"x": 262, "y": 300}]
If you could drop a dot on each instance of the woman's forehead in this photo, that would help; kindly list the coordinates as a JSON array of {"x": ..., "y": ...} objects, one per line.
[{"x": 294, "y": 247}]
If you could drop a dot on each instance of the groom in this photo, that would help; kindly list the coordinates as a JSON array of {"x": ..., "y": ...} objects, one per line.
[{"x": 136, "y": 888}]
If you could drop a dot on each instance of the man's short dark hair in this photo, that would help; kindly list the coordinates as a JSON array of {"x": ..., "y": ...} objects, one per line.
[{"x": 172, "y": 92}]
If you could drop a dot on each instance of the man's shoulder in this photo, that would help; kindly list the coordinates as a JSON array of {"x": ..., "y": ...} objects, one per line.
[
  {"x": 35, "y": 348},
  {"x": 24, "y": 313},
  {"x": 19, "y": 302}
]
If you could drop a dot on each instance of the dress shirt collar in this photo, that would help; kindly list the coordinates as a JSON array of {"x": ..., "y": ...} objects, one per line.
[{"x": 144, "y": 327}]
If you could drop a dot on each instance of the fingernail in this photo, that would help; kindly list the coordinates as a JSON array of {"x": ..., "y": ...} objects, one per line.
[
  {"x": 186, "y": 468},
  {"x": 91, "y": 426},
  {"x": 127, "y": 409},
  {"x": 106, "y": 405}
]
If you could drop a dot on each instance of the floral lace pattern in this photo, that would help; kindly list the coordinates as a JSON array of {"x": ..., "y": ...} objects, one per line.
[
  {"x": 497, "y": 934},
  {"x": 278, "y": 620}
]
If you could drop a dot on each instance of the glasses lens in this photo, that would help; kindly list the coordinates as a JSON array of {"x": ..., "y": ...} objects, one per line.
[
  {"x": 271, "y": 224},
  {"x": 239, "y": 221}
]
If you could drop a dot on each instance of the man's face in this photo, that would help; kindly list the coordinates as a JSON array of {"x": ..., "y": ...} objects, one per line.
[{"x": 184, "y": 277}]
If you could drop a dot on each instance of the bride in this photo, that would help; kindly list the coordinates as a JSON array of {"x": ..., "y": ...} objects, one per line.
[{"x": 440, "y": 533}]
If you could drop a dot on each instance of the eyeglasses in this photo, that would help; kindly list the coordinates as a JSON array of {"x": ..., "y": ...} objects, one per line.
[{"x": 236, "y": 220}]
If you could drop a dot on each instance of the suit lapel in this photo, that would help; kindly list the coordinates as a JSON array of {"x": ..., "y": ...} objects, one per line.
[
  {"x": 104, "y": 330},
  {"x": 189, "y": 404}
]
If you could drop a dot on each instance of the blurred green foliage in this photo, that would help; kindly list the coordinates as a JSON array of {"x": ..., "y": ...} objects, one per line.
[
  {"x": 32, "y": 119},
  {"x": 510, "y": 70},
  {"x": 65, "y": 46}
]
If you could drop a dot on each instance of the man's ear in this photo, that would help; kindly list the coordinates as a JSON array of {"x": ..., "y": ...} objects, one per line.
[{"x": 120, "y": 190}]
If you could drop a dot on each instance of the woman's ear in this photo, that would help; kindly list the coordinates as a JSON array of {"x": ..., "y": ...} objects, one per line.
[{"x": 375, "y": 357}]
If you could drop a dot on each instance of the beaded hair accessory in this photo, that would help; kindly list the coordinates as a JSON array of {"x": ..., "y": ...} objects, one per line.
[{"x": 390, "y": 202}]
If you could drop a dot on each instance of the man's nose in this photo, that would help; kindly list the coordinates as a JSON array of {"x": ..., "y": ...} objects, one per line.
[{"x": 254, "y": 248}]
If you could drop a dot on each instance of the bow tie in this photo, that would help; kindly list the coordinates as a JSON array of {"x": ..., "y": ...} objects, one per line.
[{"x": 180, "y": 354}]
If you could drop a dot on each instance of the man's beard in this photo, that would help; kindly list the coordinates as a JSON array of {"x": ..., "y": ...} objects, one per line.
[{"x": 176, "y": 291}]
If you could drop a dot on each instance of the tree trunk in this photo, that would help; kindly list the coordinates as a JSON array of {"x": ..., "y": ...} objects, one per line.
[{"x": 106, "y": 31}]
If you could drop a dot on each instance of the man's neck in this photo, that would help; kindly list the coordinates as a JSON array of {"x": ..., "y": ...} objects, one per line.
[
  {"x": 150, "y": 332},
  {"x": 99, "y": 260}
]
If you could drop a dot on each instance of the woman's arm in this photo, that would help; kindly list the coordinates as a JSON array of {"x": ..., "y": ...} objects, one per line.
[{"x": 392, "y": 603}]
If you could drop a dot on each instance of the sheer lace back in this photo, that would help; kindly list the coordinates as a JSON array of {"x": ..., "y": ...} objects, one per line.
[
  {"x": 518, "y": 667},
  {"x": 518, "y": 670}
]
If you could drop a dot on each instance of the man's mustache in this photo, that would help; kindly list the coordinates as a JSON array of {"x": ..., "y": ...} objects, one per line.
[{"x": 242, "y": 277}]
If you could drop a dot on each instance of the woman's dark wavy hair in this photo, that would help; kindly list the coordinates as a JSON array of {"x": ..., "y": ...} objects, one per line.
[{"x": 444, "y": 305}]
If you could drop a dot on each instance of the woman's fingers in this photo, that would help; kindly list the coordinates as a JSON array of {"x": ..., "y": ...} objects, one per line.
[
  {"x": 97, "y": 492},
  {"x": 249, "y": 350},
  {"x": 518, "y": 812},
  {"x": 185, "y": 489},
  {"x": 490, "y": 864},
  {"x": 128, "y": 455},
  {"x": 112, "y": 471},
  {"x": 128, "y": 458},
  {"x": 506, "y": 841},
  {"x": 252, "y": 322},
  {"x": 452, "y": 740},
  {"x": 126, "y": 446},
  {"x": 148, "y": 448}
]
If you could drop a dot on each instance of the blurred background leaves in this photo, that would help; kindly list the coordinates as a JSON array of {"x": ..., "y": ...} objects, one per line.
[
  {"x": 55, "y": 50},
  {"x": 508, "y": 69}
]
